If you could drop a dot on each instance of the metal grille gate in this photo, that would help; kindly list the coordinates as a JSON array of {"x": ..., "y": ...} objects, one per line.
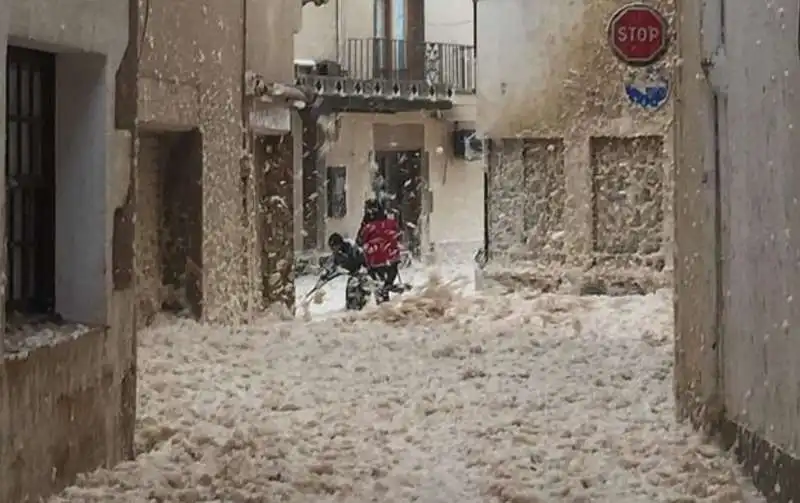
[{"x": 30, "y": 180}]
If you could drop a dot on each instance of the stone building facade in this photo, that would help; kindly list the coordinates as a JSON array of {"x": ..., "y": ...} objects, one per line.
[
  {"x": 148, "y": 167},
  {"x": 212, "y": 153},
  {"x": 577, "y": 174},
  {"x": 68, "y": 373}
]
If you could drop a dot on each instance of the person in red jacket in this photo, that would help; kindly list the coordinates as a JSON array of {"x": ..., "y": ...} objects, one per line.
[{"x": 379, "y": 238}]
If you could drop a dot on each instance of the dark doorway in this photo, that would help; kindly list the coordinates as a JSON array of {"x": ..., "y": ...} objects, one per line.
[
  {"x": 401, "y": 175},
  {"x": 275, "y": 179},
  {"x": 169, "y": 224},
  {"x": 182, "y": 217},
  {"x": 313, "y": 140},
  {"x": 30, "y": 181}
]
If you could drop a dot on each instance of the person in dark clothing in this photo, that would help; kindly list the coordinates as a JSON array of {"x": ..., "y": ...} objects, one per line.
[
  {"x": 378, "y": 236},
  {"x": 348, "y": 256}
]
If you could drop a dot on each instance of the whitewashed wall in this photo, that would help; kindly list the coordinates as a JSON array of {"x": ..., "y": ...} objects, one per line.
[
  {"x": 449, "y": 21},
  {"x": 522, "y": 49},
  {"x": 456, "y": 222},
  {"x": 317, "y": 38},
  {"x": 325, "y": 29}
]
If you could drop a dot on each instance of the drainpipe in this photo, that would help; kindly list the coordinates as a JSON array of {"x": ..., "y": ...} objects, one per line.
[
  {"x": 486, "y": 174},
  {"x": 245, "y": 99},
  {"x": 337, "y": 15},
  {"x": 245, "y": 173}
]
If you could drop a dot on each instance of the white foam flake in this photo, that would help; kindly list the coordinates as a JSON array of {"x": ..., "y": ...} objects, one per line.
[{"x": 439, "y": 396}]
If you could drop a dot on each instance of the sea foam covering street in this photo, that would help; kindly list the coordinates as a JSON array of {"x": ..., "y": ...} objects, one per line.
[{"x": 443, "y": 395}]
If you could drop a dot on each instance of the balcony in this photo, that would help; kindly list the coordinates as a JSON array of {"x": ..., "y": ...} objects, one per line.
[{"x": 383, "y": 75}]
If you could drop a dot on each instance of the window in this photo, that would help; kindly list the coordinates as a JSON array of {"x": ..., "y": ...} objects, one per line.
[
  {"x": 30, "y": 181},
  {"x": 399, "y": 43},
  {"x": 337, "y": 191},
  {"x": 389, "y": 19},
  {"x": 70, "y": 285},
  {"x": 390, "y": 28}
]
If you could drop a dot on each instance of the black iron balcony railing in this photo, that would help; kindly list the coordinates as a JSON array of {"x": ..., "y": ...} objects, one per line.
[{"x": 436, "y": 64}]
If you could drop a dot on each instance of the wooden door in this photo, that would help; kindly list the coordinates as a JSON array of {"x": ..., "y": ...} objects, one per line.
[
  {"x": 312, "y": 141},
  {"x": 274, "y": 165},
  {"x": 182, "y": 218}
]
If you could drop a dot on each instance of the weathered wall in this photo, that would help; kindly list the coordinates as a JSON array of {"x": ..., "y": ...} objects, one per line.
[
  {"x": 70, "y": 407},
  {"x": 274, "y": 168},
  {"x": 568, "y": 80},
  {"x": 193, "y": 60},
  {"x": 65, "y": 411},
  {"x": 737, "y": 235},
  {"x": 189, "y": 77},
  {"x": 457, "y": 185},
  {"x": 148, "y": 225},
  {"x": 271, "y": 179},
  {"x": 561, "y": 83},
  {"x": 760, "y": 224},
  {"x": 697, "y": 385}
]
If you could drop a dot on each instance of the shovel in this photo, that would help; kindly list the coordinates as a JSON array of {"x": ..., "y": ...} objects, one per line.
[{"x": 320, "y": 283}]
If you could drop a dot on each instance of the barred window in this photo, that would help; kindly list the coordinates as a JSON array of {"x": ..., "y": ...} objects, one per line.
[
  {"x": 30, "y": 181},
  {"x": 337, "y": 191}
]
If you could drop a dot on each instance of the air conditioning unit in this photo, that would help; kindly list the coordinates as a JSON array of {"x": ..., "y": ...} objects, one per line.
[
  {"x": 325, "y": 67},
  {"x": 468, "y": 145},
  {"x": 305, "y": 66},
  {"x": 329, "y": 68}
]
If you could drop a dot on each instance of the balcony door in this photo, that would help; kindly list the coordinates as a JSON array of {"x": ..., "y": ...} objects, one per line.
[{"x": 399, "y": 35}]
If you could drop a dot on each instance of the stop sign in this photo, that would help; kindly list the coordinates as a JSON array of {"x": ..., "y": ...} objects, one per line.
[{"x": 637, "y": 34}]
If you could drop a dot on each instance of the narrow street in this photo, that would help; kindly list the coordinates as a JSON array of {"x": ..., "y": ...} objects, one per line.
[{"x": 442, "y": 396}]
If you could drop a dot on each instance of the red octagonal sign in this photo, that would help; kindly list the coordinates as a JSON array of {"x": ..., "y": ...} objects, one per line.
[{"x": 637, "y": 34}]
